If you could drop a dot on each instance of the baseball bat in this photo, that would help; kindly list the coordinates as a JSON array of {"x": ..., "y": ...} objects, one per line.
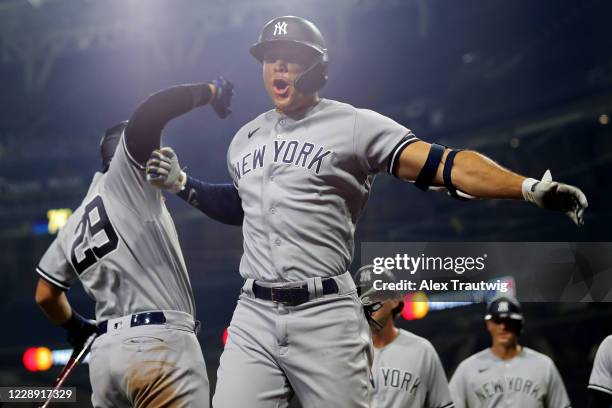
[{"x": 75, "y": 358}]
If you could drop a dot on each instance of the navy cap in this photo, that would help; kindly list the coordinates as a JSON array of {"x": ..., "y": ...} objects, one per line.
[{"x": 504, "y": 307}]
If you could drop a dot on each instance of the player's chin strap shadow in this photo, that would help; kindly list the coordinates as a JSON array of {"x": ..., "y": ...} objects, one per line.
[{"x": 369, "y": 309}]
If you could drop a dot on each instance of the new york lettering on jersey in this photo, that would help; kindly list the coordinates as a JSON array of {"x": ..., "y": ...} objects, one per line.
[
  {"x": 299, "y": 153},
  {"x": 407, "y": 373},
  {"x": 491, "y": 388},
  {"x": 322, "y": 165}
]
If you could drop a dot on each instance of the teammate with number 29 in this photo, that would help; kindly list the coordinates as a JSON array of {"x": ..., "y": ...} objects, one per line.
[{"x": 122, "y": 245}]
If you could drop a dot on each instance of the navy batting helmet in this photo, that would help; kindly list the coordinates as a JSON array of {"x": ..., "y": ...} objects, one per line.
[
  {"x": 109, "y": 142},
  {"x": 299, "y": 31}
]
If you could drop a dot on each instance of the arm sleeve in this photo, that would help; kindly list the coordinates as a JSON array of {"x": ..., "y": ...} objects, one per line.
[
  {"x": 457, "y": 388},
  {"x": 220, "y": 202},
  {"x": 55, "y": 268},
  {"x": 379, "y": 141},
  {"x": 438, "y": 391},
  {"x": 599, "y": 399},
  {"x": 144, "y": 128},
  {"x": 601, "y": 374},
  {"x": 557, "y": 395}
]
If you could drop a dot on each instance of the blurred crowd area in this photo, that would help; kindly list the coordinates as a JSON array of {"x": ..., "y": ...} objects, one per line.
[{"x": 528, "y": 84}]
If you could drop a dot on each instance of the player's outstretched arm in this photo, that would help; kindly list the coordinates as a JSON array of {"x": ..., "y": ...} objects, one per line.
[
  {"x": 221, "y": 202},
  {"x": 143, "y": 132},
  {"x": 473, "y": 174}
]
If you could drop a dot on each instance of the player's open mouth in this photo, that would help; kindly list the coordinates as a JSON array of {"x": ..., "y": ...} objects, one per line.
[{"x": 280, "y": 87}]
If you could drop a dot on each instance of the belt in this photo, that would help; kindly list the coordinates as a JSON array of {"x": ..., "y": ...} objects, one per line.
[
  {"x": 138, "y": 319},
  {"x": 292, "y": 296}
]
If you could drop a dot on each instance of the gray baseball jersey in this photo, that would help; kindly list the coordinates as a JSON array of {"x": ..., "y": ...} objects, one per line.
[
  {"x": 121, "y": 243},
  {"x": 601, "y": 375},
  {"x": 407, "y": 373},
  {"x": 304, "y": 184},
  {"x": 529, "y": 380}
]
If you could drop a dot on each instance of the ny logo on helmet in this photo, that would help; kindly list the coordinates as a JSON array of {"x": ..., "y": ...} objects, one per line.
[
  {"x": 502, "y": 307},
  {"x": 280, "y": 28},
  {"x": 365, "y": 277}
]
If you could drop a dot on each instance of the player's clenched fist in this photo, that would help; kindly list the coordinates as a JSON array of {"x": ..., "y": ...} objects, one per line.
[
  {"x": 163, "y": 170},
  {"x": 222, "y": 96},
  {"x": 556, "y": 196}
]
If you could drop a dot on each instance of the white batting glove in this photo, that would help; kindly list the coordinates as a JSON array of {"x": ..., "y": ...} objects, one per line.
[
  {"x": 552, "y": 195},
  {"x": 164, "y": 172}
]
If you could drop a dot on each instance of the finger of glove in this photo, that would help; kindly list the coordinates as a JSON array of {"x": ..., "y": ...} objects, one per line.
[
  {"x": 580, "y": 199},
  {"x": 547, "y": 176},
  {"x": 153, "y": 162},
  {"x": 158, "y": 171},
  {"x": 580, "y": 216},
  {"x": 164, "y": 164},
  {"x": 157, "y": 154},
  {"x": 167, "y": 152},
  {"x": 574, "y": 217}
]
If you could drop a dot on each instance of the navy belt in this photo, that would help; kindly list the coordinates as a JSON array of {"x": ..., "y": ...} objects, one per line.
[
  {"x": 292, "y": 296},
  {"x": 138, "y": 319}
]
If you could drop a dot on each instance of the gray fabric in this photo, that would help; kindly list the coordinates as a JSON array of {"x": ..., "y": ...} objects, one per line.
[
  {"x": 318, "y": 350},
  {"x": 529, "y": 380},
  {"x": 601, "y": 375},
  {"x": 149, "y": 366},
  {"x": 304, "y": 184},
  {"x": 408, "y": 373},
  {"x": 146, "y": 271}
]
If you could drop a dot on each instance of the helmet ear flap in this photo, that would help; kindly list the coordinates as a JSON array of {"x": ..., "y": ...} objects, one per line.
[{"x": 314, "y": 78}]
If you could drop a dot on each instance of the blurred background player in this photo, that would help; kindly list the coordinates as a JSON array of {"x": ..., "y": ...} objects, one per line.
[
  {"x": 122, "y": 245},
  {"x": 407, "y": 371},
  {"x": 507, "y": 374},
  {"x": 600, "y": 383},
  {"x": 303, "y": 173}
]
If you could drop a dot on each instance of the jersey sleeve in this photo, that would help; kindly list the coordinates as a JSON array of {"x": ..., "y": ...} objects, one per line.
[
  {"x": 557, "y": 395},
  {"x": 458, "y": 388},
  {"x": 438, "y": 390},
  {"x": 126, "y": 180},
  {"x": 379, "y": 141},
  {"x": 55, "y": 268},
  {"x": 601, "y": 375}
]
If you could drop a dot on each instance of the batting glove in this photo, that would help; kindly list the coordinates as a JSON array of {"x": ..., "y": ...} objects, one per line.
[
  {"x": 164, "y": 172},
  {"x": 222, "y": 99},
  {"x": 552, "y": 195},
  {"x": 79, "y": 329}
]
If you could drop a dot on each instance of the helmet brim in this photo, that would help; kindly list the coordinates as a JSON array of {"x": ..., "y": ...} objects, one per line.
[{"x": 258, "y": 49}]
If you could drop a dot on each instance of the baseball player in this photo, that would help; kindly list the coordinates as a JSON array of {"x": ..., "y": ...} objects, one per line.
[
  {"x": 507, "y": 374},
  {"x": 406, "y": 372},
  {"x": 302, "y": 173},
  {"x": 600, "y": 383},
  {"x": 122, "y": 245}
]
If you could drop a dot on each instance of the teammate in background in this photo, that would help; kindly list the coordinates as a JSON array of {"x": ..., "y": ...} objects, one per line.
[
  {"x": 302, "y": 173},
  {"x": 600, "y": 383},
  {"x": 406, "y": 372},
  {"x": 507, "y": 374},
  {"x": 121, "y": 243}
]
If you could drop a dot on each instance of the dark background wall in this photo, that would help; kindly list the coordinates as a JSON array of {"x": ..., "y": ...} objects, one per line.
[{"x": 527, "y": 83}]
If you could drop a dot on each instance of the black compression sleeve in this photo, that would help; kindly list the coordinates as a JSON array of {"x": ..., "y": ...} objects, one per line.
[
  {"x": 220, "y": 202},
  {"x": 599, "y": 399},
  {"x": 144, "y": 128}
]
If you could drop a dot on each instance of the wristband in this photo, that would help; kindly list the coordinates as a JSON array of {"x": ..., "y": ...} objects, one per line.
[{"x": 528, "y": 188}]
